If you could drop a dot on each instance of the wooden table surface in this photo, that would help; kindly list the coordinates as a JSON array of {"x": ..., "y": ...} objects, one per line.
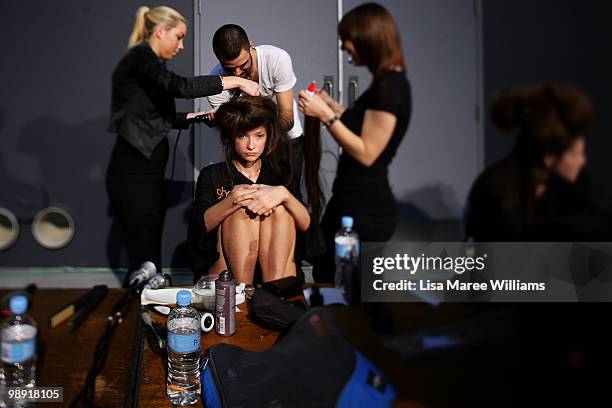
[
  {"x": 474, "y": 376},
  {"x": 66, "y": 357},
  {"x": 446, "y": 380}
]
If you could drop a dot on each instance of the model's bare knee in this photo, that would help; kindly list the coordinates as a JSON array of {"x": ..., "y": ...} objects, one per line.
[{"x": 281, "y": 214}]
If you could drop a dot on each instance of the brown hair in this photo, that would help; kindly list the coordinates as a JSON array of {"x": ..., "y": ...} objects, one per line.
[
  {"x": 375, "y": 36},
  {"x": 228, "y": 41},
  {"x": 147, "y": 19},
  {"x": 550, "y": 116},
  {"x": 244, "y": 113},
  {"x": 312, "y": 160}
]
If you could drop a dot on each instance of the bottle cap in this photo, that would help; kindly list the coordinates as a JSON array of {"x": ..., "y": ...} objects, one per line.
[
  {"x": 312, "y": 87},
  {"x": 183, "y": 298},
  {"x": 226, "y": 276},
  {"x": 18, "y": 304},
  {"x": 347, "y": 222}
]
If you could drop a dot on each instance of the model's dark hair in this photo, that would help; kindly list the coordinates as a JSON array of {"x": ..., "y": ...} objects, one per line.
[
  {"x": 375, "y": 36},
  {"x": 228, "y": 41},
  {"x": 244, "y": 113}
]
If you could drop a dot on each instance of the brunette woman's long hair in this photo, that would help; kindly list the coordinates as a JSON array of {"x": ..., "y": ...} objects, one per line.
[
  {"x": 244, "y": 113},
  {"x": 312, "y": 164}
]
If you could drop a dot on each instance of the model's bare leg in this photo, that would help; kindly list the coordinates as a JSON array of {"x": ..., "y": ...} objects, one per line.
[
  {"x": 240, "y": 236},
  {"x": 277, "y": 245}
]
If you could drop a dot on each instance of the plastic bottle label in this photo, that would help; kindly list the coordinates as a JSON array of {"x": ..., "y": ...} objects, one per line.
[
  {"x": 18, "y": 352},
  {"x": 184, "y": 343},
  {"x": 346, "y": 245}
]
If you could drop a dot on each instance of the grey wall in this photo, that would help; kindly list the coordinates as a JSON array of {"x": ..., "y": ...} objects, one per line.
[
  {"x": 553, "y": 40},
  {"x": 55, "y": 75},
  {"x": 55, "y": 81}
]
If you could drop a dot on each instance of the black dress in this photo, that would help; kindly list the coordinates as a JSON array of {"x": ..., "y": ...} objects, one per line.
[
  {"x": 142, "y": 113},
  {"x": 364, "y": 192}
]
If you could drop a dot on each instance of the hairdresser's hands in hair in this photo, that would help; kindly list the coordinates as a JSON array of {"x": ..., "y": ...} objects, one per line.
[
  {"x": 331, "y": 102},
  {"x": 245, "y": 85},
  {"x": 319, "y": 105},
  {"x": 262, "y": 199}
]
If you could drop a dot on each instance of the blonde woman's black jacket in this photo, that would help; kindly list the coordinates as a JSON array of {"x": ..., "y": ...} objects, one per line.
[{"x": 142, "y": 107}]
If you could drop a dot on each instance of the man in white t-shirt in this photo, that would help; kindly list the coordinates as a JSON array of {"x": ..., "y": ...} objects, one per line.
[{"x": 270, "y": 67}]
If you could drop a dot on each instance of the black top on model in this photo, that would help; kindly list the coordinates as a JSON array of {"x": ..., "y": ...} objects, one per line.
[
  {"x": 214, "y": 184},
  {"x": 142, "y": 107}
]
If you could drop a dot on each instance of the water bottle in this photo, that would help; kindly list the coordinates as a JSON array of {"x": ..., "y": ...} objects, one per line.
[
  {"x": 347, "y": 278},
  {"x": 183, "y": 385},
  {"x": 225, "y": 304},
  {"x": 18, "y": 339}
]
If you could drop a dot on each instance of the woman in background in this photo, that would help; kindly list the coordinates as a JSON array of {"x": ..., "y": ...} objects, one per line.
[
  {"x": 538, "y": 192},
  {"x": 142, "y": 113},
  {"x": 369, "y": 132}
]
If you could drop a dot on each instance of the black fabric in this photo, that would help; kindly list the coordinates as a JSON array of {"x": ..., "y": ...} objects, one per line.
[
  {"x": 565, "y": 213},
  {"x": 313, "y": 354},
  {"x": 364, "y": 192},
  {"x": 135, "y": 187},
  {"x": 214, "y": 184},
  {"x": 271, "y": 312},
  {"x": 143, "y": 92}
]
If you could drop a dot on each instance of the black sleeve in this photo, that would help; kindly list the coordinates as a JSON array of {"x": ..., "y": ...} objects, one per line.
[
  {"x": 180, "y": 121},
  {"x": 201, "y": 244},
  {"x": 178, "y": 86},
  {"x": 205, "y": 196},
  {"x": 486, "y": 219}
]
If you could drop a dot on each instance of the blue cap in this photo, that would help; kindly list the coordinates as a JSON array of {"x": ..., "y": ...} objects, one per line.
[
  {"x": 347, "y": 222},
  {"x": 18, "y": 304},
  {"x": 183, "y": 298}
]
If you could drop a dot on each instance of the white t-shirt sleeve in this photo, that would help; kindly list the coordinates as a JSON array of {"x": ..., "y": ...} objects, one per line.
[
  {"x": 218, "y": 99},
  {"x": 282, "y": 71}
]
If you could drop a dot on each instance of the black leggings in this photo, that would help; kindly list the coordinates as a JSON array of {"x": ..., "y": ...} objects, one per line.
[{"x": 135, "y": 186}]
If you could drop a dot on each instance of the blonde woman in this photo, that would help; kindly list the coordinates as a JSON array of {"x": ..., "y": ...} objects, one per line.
[{"x": 142, "y": 113}]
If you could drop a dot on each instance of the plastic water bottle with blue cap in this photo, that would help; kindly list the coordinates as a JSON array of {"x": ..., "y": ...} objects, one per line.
[
  {"x": 18, "y": 342},
  {"x": 346, "y": 277},
  {"x": 183, "y": 384}
]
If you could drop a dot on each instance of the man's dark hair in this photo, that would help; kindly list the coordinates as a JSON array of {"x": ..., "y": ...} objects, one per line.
[{"x": 228, "y": 41}]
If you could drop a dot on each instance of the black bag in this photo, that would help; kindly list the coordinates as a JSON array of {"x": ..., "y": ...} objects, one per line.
[
  {"x": 271, "y": 312},
  {"x": 312, "y": 365}
]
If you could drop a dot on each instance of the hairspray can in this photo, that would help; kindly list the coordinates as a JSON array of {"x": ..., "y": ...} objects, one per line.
[{"x": 225, "y": 304}]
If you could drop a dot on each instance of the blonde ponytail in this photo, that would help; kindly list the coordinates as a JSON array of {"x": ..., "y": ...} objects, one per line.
[
  {"x": 138, "y": 32},
  {"x": 147, "y": 19}
]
